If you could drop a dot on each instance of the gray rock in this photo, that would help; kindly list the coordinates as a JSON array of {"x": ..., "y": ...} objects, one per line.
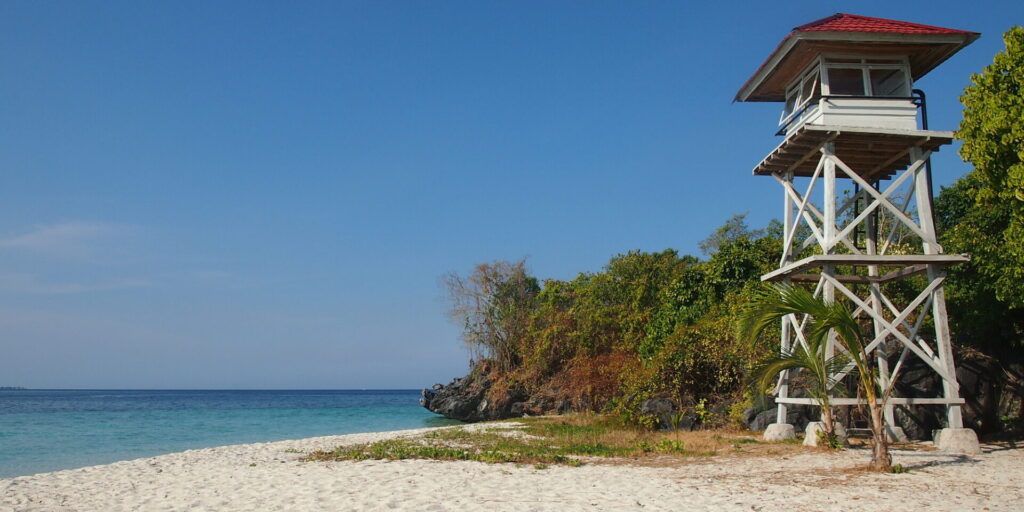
[
  {"x": 660, "y": 408},
  {"x": 764, "y": 414},
  {"x": 983, "y": 385},
  {"x": 456, "y": 401}
]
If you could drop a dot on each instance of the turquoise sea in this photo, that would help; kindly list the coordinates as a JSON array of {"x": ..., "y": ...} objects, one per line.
[{"x": 50, "y": 430}]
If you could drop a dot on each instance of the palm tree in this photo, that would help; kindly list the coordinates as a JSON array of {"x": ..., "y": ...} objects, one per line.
[
  {"x": 825, "y": 317},
  {"x": 767, "y": 311}
]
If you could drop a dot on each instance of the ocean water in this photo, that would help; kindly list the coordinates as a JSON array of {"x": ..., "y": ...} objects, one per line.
[{"x": 50, "y": 430}]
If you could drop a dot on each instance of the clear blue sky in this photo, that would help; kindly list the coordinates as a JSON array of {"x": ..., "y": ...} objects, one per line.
[{"x": 264, "y": 194}]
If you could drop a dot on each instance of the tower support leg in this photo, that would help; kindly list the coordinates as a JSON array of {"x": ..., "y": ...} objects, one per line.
[
  {"x": 781, "y": 430},
  {"x": 954, "y": 438}
]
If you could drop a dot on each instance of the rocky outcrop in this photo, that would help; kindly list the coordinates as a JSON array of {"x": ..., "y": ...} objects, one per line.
[
  {"x": 463, "y": 399},
  {"x": 473, "y": 398}
]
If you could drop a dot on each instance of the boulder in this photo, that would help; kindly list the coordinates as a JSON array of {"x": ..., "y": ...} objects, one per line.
[
  {"x": 662, "y": 409},
  {"x": 763, "y": 413},
  {"x": 456, "y": 401},
  {"x": 983, "y": 385},
  {"x": 667, "y": 413}
]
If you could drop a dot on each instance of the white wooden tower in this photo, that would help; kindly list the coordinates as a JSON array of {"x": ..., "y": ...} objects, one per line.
[{"x": 851, "y": 113}]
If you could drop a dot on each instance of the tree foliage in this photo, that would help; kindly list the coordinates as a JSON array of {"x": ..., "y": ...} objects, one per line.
[
  {"x": 992, "y": 131},
  {"x": 979, "y": 316},
  {"x": 648, "y": 324},
  {"x": 661, "y": 324},
  {"x": 493, "y": 305},
  {"x": 734, "y": 229}
]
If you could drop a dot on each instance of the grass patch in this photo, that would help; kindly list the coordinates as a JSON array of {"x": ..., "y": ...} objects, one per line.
[{"x": 567, "y": 440}]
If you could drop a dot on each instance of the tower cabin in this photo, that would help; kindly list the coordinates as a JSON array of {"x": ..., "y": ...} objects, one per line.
[{"x": 850, "y": 71}]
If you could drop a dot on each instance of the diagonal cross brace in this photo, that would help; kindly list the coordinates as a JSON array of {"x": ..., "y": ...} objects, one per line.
[
  {"x": 894, "y": 186},
  {"x": 884, "y": 201},
  {"x": 809, "y": 207},
  {"x": 797, "y": 198},
  {"x": 889, "y": 328},
  {"x": 892, "y": 230},
  {"x": 788, "y": 240}
]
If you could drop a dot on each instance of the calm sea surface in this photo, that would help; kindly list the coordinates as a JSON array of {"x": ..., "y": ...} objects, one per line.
[{"x": 61, "y": 429}]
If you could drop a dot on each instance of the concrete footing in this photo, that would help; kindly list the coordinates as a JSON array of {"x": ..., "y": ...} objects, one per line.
[
  {"x": 811, "y": 433},
  {"x": 895, "y": 434},
  {"x": 962, "y": 441},
  {"x": 779, "y": 432}
]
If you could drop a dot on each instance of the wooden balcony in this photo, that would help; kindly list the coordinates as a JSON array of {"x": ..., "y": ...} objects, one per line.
[{"x": 874, "y": 153}]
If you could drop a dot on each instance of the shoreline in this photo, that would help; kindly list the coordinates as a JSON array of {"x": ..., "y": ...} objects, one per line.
[
  {"x": 49, "y": 431},
  {"x": 272, "y": 476},
  {"x": 339, "y": 439}
]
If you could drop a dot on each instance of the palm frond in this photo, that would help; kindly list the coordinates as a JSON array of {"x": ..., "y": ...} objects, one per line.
[{"x": 768, "y": 309}]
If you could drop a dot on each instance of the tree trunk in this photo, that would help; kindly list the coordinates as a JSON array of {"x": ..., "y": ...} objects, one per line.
[
  {"x": 880, "y": 460},
  {"x": 827, "y": 421}
]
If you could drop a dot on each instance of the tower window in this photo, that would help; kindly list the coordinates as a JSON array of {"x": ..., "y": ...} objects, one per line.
[
  {"x": 888, "y": 82},
  {"x": 801, "y": 93},
  {"x": 848, "y": 76},
  {"x": 846, "y": 81}
]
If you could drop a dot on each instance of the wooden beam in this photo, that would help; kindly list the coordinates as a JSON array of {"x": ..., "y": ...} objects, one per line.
[
  {"x": 903, "y": 272},
  {"x": 861, "y": 260},
  {"x": 890, "y": 328},
  {"x": 880, "y": 200},
  {"x": 813, "y": 278},
  {"x": 860, "y": 401}
]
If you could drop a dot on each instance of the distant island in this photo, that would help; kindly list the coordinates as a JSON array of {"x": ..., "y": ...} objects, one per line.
[{"x": 12, "y": 388}]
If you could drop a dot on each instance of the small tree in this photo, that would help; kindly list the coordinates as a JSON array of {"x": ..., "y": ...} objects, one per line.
[
  {"x": 827, "y": 317},
  {"x": 493, "y": 304},
  {"x": 766, "y": 312},
  {"x": 733, "y": 229}
]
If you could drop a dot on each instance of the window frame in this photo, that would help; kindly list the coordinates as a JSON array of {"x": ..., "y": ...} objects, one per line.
[
  {"x": 795, "y": 91},
  {"x": 865, "y": 65}
]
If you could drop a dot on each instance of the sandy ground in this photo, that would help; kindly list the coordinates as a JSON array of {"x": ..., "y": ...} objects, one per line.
[{"x": 271, "y": 476}]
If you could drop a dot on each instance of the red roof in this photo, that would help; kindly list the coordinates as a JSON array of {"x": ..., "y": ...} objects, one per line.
[
  {"x": 841, "y": 22},
  {"x": 925, "y": 45}
]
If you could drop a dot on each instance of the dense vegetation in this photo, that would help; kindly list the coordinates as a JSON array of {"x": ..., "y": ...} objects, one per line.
[
  {"x": 664, "y": 325},
  {"x": 648, "y": 324},
  {"x": 983, "y": 213}
]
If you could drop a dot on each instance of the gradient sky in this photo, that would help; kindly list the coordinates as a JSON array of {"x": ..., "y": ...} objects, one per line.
[{"x": 265, "y": 194}]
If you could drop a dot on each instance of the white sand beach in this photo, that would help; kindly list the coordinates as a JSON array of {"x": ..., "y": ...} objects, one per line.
[{"x": 272, "y": 476}]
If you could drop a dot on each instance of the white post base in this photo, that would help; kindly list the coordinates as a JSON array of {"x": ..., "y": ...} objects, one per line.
[
  {"x": 895, "y": 434},
  {"x": 779, "y": 432},
  {"x": 811, "y": 433},
  {"x": 962, "y": 441}
]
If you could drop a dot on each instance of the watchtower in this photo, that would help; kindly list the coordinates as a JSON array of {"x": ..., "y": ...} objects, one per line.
[{"x": 851, "y": 113}]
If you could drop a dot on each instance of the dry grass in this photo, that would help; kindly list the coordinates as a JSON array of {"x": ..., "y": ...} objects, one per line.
[{"x": 571, "y": 440}]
